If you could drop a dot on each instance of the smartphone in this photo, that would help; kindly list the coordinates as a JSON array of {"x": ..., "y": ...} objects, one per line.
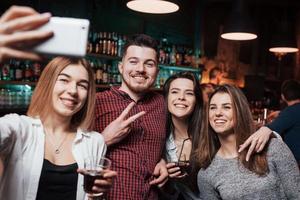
[{"x": 70, "y": 37}]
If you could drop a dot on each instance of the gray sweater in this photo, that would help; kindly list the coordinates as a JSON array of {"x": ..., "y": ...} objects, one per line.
[{"x": 226, "y": 179}]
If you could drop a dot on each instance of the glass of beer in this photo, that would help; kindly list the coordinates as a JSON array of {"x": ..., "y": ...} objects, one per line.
[{"x": 93, "y": 169}]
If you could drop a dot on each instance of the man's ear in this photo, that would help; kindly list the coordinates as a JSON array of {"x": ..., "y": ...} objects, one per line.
[
  {"x": 283, "y": 98},
  {"x": 120, "y": 67}
]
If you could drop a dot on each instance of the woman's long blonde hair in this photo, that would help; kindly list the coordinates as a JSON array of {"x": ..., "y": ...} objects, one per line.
[{"x": 41, "y": 102}]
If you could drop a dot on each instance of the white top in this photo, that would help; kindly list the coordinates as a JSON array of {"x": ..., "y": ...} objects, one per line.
[{"x": 22, "y": 142}]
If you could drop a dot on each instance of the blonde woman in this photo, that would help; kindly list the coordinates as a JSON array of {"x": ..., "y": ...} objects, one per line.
[{"x": 42, "y": 151}]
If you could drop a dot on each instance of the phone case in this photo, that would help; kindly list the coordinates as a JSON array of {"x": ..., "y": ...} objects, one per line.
[{"x": 70, "y": 37}]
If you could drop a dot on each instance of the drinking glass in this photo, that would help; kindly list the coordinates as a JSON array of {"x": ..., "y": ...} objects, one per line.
[
  {"x": 183, "y": 162},
  {"x": 93, "y": 169}
]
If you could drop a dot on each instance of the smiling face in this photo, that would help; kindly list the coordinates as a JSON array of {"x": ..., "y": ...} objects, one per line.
[
  {"x": 138, "y": 69},
  {"x": 181, "y": 98},
  {"x": 70, "y": 90},
  {"x": 221, "y": 113}
]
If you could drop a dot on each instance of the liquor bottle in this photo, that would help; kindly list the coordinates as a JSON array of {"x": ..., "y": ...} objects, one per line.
[
  {"x": 104, "y": 50},
  {"x": 94, "y": 68},
  {"x": 162, "y": 56},
  {"x": 114, "y": 44},
  {"x": 36, "y": 71},
  {"x": 5, "y": 72},
  {"x": 109, "y": 74},
  {"x": 97, "y": 51},
  {"x": 109, "y": 44},
  {"x": 94, "y": 50},
  {"x": 12, "y": 69},
  {"x": 89, "y": 48},
  {"x": 265, "y": 116},
  {"x": 101, "y": 43},
  {"x": 19, "y": 73},
  {"x": 167, "y": 50},
  {"x": 28, "y": 72},
  {"x": 99, "y": 73},
  {"x": 105, "y": 74},
  {"x": 120, "y": 45},
  {"x": 173, "y": 56}
]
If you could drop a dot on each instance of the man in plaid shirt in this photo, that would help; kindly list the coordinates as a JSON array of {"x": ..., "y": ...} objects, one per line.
[{"x": 132, "y": 120}]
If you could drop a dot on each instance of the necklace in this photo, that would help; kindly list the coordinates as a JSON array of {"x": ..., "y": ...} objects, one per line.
[{"x": 56, "y": 151}]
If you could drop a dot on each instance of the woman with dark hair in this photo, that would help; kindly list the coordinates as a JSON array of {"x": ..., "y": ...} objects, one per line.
[
  {"x": 225, "y": 173},
  {"x": 184, "y": 100},
  {"x": 42, "y": 151}
]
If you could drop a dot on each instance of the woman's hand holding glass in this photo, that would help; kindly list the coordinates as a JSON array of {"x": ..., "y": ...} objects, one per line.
[
  {"x": 175, "y": 171},
  {"x": 103, "y": 184},
  {"x": 98, "y": 177}
]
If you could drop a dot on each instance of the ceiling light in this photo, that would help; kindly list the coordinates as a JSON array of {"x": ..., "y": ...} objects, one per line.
[
  {"x": 284, "y": 36},
  {"x": 238, "y": 36},
  {"x": 153, "y": 6},
  {"x": 239, "y": 25}
]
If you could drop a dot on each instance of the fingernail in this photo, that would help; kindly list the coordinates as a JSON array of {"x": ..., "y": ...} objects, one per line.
[{"x": 47, "y": 14}]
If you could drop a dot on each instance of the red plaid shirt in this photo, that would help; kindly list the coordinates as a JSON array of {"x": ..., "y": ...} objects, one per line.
[{"x": 135, "y": 157}]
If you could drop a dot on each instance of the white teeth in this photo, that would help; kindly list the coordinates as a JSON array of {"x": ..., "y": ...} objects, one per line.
[
  {"x": 180, "y": 105},
  {"x": 220, "y": 121},
  {"x": 137, "y": 76}
]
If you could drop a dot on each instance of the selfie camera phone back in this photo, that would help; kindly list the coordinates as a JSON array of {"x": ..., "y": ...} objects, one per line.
[{"x": 70, "y": 37}]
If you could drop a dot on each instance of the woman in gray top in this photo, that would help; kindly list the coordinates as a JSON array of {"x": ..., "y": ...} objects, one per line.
[{"x": 225, "y": 173}]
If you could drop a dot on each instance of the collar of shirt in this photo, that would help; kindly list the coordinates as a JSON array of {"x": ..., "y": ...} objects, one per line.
[
  {"x": 116, "y": 90},
  {"x": 171, "y": 149},
  {"x": 79, "y": 134}
]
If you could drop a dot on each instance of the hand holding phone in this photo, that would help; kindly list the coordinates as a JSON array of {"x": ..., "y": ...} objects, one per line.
[{"x": 17, "y": 32}]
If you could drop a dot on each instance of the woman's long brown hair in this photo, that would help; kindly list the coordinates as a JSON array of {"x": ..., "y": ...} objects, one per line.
[
  {"x": 41, "y": 101},
  {"x": 243, "y": 128}
]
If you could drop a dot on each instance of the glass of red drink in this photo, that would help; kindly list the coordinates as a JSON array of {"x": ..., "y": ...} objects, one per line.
[{"x": 93, "y": 169}]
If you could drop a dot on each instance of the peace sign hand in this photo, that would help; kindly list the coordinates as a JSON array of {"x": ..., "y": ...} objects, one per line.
[{"x": 118, "y": 129}]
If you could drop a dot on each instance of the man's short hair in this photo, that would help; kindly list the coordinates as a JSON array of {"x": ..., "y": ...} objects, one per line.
[
  {"x": 290, "y": 89},
  {"x": 141, "y": 40}
]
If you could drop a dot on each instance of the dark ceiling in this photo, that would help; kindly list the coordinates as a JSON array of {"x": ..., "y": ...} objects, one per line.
[{"x": 266, "y": 15}]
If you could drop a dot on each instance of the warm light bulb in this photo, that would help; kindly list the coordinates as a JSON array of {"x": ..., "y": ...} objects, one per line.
[
  {"x": 284, "y": 49},
  {"x": 153, "y": 6},
  {"x": 239, "y": 36}
]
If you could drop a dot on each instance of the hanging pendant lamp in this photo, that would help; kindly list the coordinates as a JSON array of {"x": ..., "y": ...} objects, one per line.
[
  {"x": 284, "y": 37},
  {"x": 153, "y": 6},
  {"x": 239, "y": 25}
]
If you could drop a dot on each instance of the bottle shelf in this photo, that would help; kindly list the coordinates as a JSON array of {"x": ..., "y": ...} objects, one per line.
[
  {"x": 17, "y": 83},
  {"x": 100, "y": 86},
  {"x": 180, "y": 68},
  {"x": 164, "y": 66},
  {"x": 103, "y": 56}
]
